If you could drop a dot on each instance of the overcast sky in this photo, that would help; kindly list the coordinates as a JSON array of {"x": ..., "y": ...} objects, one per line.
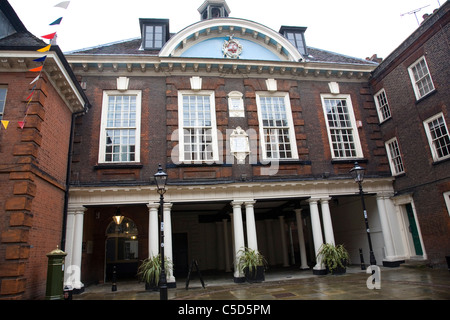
[{"x": 358, "y": 28}]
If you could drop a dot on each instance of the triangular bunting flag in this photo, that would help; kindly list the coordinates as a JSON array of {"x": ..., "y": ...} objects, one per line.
[
  {"x": 49, "y": 36},
  {"x": 31, "y": 94},
  {"x": 38, "y": 69},
  {"x": 21, "y": 124},
  {"x": 56, "y": 22},
  {"x": 5, "y": 123},
  {"x": 41, "y": 59},
  {"x": 45, "y": 49},
  {"x": 35, "y": 79},
  {"x": 63, "y": 4}
]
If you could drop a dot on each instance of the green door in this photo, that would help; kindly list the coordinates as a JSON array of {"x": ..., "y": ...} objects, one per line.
[{"x": 413, "y": 229}]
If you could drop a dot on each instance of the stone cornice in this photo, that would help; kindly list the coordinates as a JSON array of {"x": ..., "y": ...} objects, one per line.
[
  {"x": 22, "y": 61},
  {"x": 92, "y": 196},
  {"x": 138, "y": 65}
]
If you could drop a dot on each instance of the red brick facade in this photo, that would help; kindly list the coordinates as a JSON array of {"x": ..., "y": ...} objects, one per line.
[{"x": 424, "y": 178}]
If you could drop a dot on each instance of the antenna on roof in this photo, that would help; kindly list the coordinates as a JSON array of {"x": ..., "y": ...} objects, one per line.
[{"x": 414, "y": 12}]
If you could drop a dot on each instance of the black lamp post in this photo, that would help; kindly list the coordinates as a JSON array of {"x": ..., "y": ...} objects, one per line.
[
  {"x": 161, "y": 180},
  {"x": 357, "y": 173}
]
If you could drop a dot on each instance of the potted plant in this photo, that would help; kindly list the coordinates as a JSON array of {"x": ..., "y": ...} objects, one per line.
[
  {"x": 252, "y": 263},
  {"x": 334, "y": 257},
  {"x": 150, "y": 270}
]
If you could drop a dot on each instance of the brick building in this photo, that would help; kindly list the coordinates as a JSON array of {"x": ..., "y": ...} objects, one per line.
[
  {"x": 412, "y": 93},
  {"x": 257, "y": 132},
  {"x": 35, "y": 139}
]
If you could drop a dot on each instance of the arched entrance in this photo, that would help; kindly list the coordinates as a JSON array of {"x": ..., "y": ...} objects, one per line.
[{"x": 121, "y": 249}]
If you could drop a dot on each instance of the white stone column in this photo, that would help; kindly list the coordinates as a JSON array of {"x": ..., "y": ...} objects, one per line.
[
  {"x": 385, "y": 227},
  {"x": 153, "y": 230},
  {"x": 301, "y": 239},
  {"x": 326, "y": 217},
  {"x": 283, "y": 242},
  {"x": 239, "y": 243},
  {"x": 168, "y": 253},
  {"x": 317, "y": 232},
  {"x": 227, "y": 245},
  {"x": 252, "y": 241},
  {"x": 74, "y": 244}
]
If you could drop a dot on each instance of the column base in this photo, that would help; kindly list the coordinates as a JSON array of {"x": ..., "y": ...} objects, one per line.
[
  {"x": 319, "y": 272},
  {"x": 239, "y": 279},
  {"x": 393, "y": 264},
  {"x": 171, "y": 285}
]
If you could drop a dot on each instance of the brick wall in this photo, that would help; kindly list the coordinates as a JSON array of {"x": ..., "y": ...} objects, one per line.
[
  {"x": 425, "y": 179},
  {"x": 33, "y": 172}
]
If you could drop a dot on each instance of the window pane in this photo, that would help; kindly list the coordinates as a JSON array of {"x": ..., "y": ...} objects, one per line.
[
  {"x": 197, "y": 128},
  {"x": 2, "y": 101},
  {"x": 341, "y": 130},
  {"x": 275, "y": 128},
  {"x": 440, "y": 137},
  {"x": 121, "y": 129}
]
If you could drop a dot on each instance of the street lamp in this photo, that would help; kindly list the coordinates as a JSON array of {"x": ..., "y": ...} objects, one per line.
[
  {"x": 161, "y": 180},
  {"x": 357, "y": 173}
]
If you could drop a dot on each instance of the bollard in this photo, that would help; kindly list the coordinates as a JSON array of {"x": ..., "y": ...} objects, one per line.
[
  {"x": 55, "y": 275},
  {"x": 114, "y": 280},
  {"x": 363, "y": 265}
]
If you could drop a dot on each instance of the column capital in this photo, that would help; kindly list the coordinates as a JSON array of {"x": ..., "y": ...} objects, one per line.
[
  {"x": 249, "y": 203},
  {"x": 298, "y": 210},
  {"x": 168, "y": 205},
  {"x": 76, "y": 210},
  {"x": 313, "y": 200},
  {"x": 325, "y": 199},
  {"x": 384, "y": 195},
  {"x": 236, "y": 203},
  {"x": 153, "y": 205}
]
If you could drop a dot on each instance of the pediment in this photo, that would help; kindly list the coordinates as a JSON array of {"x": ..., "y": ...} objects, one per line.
[{"x": 205, "y": 39}]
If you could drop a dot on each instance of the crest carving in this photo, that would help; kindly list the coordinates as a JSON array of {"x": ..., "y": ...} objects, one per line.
[{"x": 232, "y": 48}]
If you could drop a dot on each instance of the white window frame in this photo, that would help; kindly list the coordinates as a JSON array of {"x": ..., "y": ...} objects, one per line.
[
  {"x": 155, "y": 43},
  {"x": 213, "y": 127},
  {"x": 430, "y": 139},
  {"x": 447, "y": 200},
  {"x": 393, "y": 159},
  {"x": 290, "y": 126},
  {"x": 415, "y": 81},
  {"x": 3, "y": 103},
  {"x": 382, "y": 103},
  {"x": 355, "y": 134},
  {"x": 104, "y": 127}
]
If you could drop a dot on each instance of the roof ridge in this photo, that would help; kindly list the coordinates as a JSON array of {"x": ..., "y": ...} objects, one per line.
[{"x": 102, "y": 45}]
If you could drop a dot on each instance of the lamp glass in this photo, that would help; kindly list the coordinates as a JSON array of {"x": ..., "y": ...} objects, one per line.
[
  {"x": 118, "y": 219},
  {"x": 357, "y": 172},
  {"x": 160, "y": 178}
]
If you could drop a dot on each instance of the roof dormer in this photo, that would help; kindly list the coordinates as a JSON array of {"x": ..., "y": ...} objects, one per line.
[
  {"x": 154, "y": 33},
  {"x": 211, "y": 9}
]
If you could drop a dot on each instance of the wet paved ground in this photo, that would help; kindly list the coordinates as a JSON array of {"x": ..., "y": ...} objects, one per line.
[{"x": 403, "y": 283}]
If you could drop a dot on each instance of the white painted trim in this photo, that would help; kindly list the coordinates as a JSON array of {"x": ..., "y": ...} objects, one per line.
[
  {"x": 357, "y": 141},
  {"x": 214, "y": 141},
  {"x": 101, "y": 145},
  {"x": 430, "y": 139},
  {"x": 292, "y": 136},
  {"x": 182, "y": 36}
]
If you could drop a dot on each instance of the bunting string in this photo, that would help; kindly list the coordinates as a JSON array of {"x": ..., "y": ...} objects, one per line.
[{"x": 51, "y": 36}]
